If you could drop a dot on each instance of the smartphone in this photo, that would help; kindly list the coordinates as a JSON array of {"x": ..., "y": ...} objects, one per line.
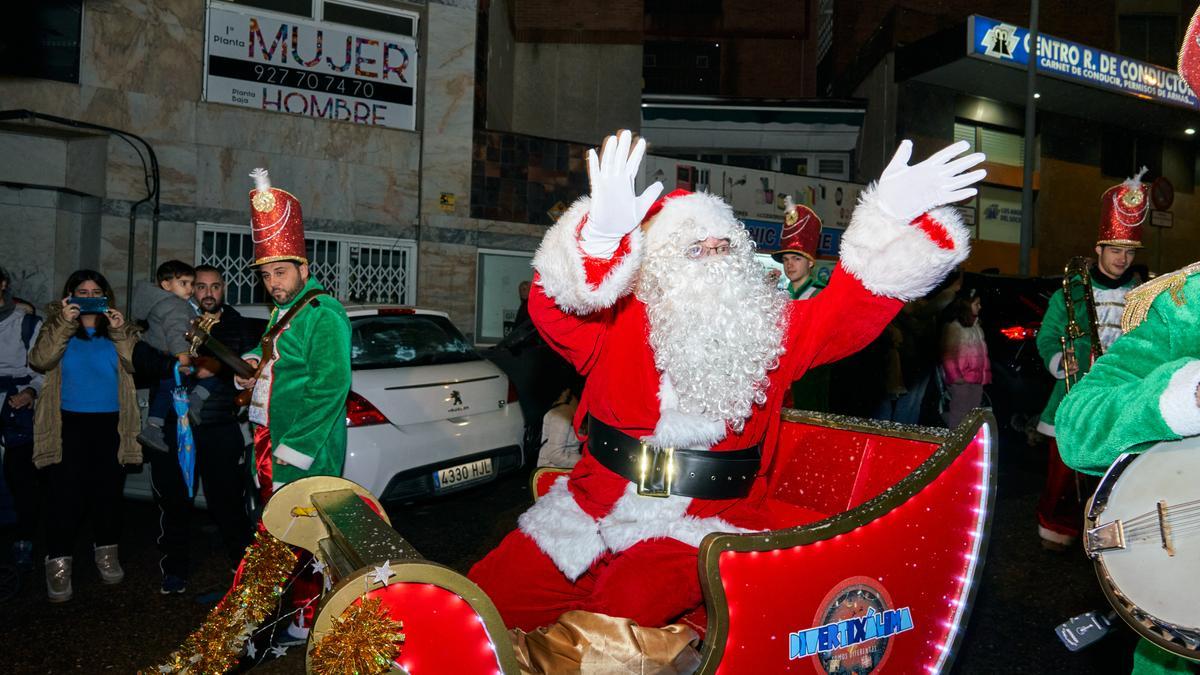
[{"x": 90, "y": 305}]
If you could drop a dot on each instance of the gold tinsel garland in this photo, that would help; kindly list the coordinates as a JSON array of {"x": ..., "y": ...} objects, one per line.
[
  {"x": 364, "y": 640},
  {"x": 217, "y": 645}
]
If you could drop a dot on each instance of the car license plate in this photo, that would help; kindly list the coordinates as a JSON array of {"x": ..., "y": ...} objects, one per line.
[{"x": 463, "y": 473}]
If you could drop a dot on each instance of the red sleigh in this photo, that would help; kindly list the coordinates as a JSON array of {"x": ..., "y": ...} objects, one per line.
[{"x": 879, "y": 578}]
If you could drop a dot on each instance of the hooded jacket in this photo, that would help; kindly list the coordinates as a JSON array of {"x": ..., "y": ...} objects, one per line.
[{"x": 167, "y": 317}]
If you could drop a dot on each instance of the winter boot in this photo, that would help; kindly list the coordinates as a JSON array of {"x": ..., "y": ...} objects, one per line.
[
  {"x": 58, "y": 578},
  {"x": 108, "y": 564}
]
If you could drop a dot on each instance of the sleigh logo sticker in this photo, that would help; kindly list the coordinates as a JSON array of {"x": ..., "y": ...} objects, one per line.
[{"x": 853, "y": 629}]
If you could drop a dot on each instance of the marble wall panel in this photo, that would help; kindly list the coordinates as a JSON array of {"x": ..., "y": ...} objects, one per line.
[
  {"x": 9, "y": 196},
  {"x": 175, "y": 240},
  {"x": 44, "y": 96},
  {"x": 449, "y": 107},
  {"x": 150, "y": 116},
  {"x": 223, "y": 177},
  {"x": 87, "y": 164},
  {"x": 143, "y": 47},
  {"x": 384, "y": 195},
  {"x": 28, "y": 234},
  {"x": 177, "y": 162},
  {"x": 446, "y": 282},
  {"x": 44, "y": 159},
  {"x": 359, "y": 143},
  {"x": 247, "y": 129},
  {"x": 76, "y": 241}
]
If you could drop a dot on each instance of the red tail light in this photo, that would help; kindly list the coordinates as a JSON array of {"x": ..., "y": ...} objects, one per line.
[
  {"x": 512, "y": 392},
  {"x": 1017, "y": 333},
  {"x": 396, "y": 311},
  {"x": 361, "y": 413}
]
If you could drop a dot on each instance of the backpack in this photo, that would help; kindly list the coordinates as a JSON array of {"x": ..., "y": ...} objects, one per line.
[{"x": 29, "y": 324}]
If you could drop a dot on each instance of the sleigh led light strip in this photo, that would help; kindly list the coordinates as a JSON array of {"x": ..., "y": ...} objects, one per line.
[{"x": 962, "y": 602}]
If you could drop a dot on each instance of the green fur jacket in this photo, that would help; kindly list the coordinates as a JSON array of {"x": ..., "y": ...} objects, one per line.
[
  {"x": 303, "y": 389},
  {"x": 1142, "y": 391}
]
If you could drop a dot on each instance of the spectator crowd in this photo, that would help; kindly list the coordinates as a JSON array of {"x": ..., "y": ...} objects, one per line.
[{"x": 71, "y": 424}]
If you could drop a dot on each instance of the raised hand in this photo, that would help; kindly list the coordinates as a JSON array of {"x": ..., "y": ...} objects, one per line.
[
  {"x": 616, "y": 208},
  {"x": 70, "y": 309},
  {"x": 906, "y": 191}
]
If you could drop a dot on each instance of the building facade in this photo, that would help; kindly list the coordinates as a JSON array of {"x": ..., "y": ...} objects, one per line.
[{"x": 374, "y": 134}]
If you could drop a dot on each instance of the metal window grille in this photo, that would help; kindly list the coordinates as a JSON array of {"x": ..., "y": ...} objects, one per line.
[{"x": 356, "y": 269}]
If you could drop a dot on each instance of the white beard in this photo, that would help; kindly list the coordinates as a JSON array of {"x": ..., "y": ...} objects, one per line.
[{"x": 716, "y": 328}]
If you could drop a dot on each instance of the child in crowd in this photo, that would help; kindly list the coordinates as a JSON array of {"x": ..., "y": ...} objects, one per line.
[
  {"x": 964, "y": 357},
  {"x": 167, "y": 310}
]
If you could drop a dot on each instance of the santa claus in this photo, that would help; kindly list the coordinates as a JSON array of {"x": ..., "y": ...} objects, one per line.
[{"x": 688, "y": 353}]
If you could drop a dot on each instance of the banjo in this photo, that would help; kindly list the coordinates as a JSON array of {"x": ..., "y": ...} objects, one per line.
[{"x": 1143, "y": 532}]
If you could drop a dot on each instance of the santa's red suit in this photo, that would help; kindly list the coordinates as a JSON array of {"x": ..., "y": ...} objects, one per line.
[{"x": 592, "y": 543}]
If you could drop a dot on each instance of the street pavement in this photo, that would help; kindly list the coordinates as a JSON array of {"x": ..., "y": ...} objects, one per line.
[{"x": 1025, "y": 591}]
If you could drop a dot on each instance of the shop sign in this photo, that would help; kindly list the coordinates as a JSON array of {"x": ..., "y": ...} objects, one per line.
[
  {"x": 993, "y": 40},
  {"x": 292, "y": 65},
  {"x": 1161, "y": 219}
]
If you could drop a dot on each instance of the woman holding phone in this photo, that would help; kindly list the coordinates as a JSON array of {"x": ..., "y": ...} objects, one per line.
[{"x": 85, "y": 425}]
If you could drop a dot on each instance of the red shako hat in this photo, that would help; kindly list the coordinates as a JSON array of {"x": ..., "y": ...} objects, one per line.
[
  {"x": 801, "y": 231},
  {"x": 1123, "y": 211},
  {"x": 276, "y": 224}
]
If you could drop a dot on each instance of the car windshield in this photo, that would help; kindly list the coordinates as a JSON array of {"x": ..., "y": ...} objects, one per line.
[{"x": 407, "y": 340}]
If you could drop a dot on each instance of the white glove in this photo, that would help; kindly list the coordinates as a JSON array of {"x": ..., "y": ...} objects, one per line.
[
  {"x": 616, "y": 210},
  {"x": 906, "y": 192}
]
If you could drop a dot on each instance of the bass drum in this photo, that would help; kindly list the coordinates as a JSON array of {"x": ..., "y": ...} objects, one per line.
[{"x": 1155, "y": 590}]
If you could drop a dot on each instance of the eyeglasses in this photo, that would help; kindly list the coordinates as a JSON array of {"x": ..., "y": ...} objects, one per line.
[{"x": 699, "y": 250}]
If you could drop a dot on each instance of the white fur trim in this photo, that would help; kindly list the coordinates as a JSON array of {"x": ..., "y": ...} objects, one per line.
[
  {"x": 635, "y": 519},
  {"x": 1178, "y": 401},
  {"x": 563, "y": 531},
  {"x": 1055, "y": 367},
  {"x": 896, "y": 259},
  {"x": 559, "y": 261},
  {"x": 294, "y": 457},
  {"x": 705, "y": 215},
  {"x": 676, "y": 429},
  {"x": 1054, "y": 537},
  {"x": 1045, "y": 429}
]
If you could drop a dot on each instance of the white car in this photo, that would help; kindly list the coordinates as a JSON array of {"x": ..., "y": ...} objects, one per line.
[{"x": 426, "y": 413}]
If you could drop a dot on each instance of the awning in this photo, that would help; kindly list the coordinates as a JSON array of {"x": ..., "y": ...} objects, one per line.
[
  {"x": 1073, "y": 80},
  {"x": 789, "y": 126}
]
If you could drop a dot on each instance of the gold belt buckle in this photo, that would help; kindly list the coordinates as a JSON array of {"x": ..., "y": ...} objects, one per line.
[{"x": 648, "y": 461}]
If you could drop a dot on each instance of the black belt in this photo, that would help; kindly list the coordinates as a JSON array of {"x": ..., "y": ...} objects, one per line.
[{"x": 661, "y": 472}]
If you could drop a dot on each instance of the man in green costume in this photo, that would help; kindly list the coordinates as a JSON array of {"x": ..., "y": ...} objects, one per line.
[
  {"x": 299, "y": 400},
  {"x": 1124, "y": 209},
  {"x": 1146, "y": 389},
  {"x": 1142, "y": 391},
  {"x": 298, "y": 405},
  {"x": 798, "y": 255}
]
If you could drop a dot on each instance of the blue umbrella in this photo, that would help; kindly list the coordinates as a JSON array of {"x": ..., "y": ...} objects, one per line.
[{"x": 183, "y": 429}]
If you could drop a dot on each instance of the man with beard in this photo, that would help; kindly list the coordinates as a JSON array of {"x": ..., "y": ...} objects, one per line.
[
  {"x": 687, "y": 350},
  {"x": 219, "y": 446},
  {"x": 1124, "y": 208},
  {"x": 298, "y": 404}
]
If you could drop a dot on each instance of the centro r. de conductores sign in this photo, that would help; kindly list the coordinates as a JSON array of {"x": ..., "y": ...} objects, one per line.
[
  {"x": 292, "y": 65},
  {"x": 996, "y": 41}
]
